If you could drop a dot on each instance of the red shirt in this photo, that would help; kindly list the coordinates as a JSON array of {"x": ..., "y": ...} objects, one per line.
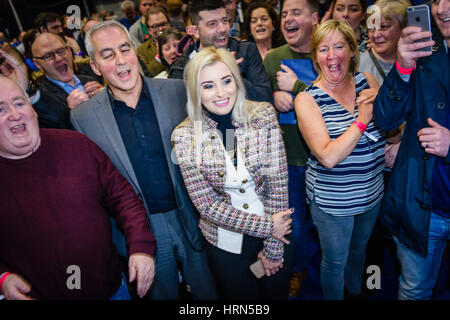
[{"x": 54, "y": 212}]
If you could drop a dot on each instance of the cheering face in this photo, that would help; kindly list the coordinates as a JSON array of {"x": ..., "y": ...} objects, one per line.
[
  {"x": 440, "y": 9},
  {"x": 297, "y": 24},
  {"x": 19, "y": 129},
  {"x": 217, "y": 88},
  {"x": 349, "y": 11},
  {"x": 261, "y": 26},
  {"x": 333, "y": 58},
  {"x": 51, "y": 54},
  {"x": 169, "y": 50},
  {"x": 384, "y": 39},
  {"x": 115, "y": 59},
  {"x": 213, "y": 28}
]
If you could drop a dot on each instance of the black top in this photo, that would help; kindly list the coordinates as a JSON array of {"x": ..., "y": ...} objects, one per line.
[{"x": 142, "y": 138}]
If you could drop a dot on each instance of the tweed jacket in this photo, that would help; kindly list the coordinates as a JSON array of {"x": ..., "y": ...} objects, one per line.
[{"x": 265, "y": 159}]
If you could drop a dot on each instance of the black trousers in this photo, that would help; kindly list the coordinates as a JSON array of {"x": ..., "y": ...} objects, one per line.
[{"x": 234, "y": 279}]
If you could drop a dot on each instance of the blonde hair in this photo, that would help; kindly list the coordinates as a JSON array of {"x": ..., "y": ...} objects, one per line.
[
  {"x": 204, "y": 58},
  {"x": 327, "y": 28},
  {"x": 392, "y": 9}
]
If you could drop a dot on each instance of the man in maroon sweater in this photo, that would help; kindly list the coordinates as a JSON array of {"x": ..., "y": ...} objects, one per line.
[{"x": 57, "y": 192}]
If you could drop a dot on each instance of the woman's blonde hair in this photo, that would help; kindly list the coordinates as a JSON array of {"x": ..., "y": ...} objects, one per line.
[
  {"x": 204, "y": 58},
  {"x": 327, "y": 28}
]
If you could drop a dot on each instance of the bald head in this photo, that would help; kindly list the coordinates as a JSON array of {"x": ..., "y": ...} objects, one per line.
[
  {"x": 19, "y": 129},
  {"x": 52, "y": 54}
]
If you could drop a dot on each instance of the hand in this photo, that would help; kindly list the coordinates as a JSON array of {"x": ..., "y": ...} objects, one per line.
[
  {"x": 16, "y": 288},
  {"x": 270, "y": 267},
  {"x": 406, "y": 49},
  {"x": 282, "y": 225},
  {"x": 92, "y": 88},
  {"x": 435, "y": 139},
  {"x": 327, "y": 15},
  {"x": 390, "y": 153},
  {"x": 365, "y": 105},
  {"x": 283, "y": 101},
  {"x": 286, "y": 78},
  {"x": 14, "y": 70},
  {"x": 238, "y": 61},
  {"x": 76, "y": 97},
  {"x": 141, "y": 267}
]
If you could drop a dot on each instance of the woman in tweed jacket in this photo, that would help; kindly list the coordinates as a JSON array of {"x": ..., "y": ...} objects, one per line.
[{"x": 233, "y": 163}]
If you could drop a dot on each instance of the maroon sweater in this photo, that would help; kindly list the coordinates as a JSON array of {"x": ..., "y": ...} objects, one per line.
[{"x": 54, "y": 212}]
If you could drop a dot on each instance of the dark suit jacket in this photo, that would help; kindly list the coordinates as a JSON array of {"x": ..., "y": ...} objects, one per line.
[
  {"x": 95, "y": 119},
  {"x": 52, "y": 108}
]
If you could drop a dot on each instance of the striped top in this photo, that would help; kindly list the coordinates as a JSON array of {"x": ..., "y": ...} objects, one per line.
[{"x": 355, "y": 185}]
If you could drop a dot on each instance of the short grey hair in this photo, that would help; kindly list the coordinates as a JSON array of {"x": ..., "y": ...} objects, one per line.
[
  {"x": 127, "y": 4},
  {"x": 99, "y": 26},
  {"x": 25, "y": 94}
]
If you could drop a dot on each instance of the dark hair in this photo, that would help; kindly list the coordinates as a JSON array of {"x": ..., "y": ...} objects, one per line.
[
  {"x": 313, "y": 5},
  {"x": 155, "y": 10},
  {"x": 47, "y": 17},
  {"x": 163, "y": 39},
  {"x": 277, "y": 37},
  {"x": 203, "y": 5},
  {"x": 28, "y": 40}
]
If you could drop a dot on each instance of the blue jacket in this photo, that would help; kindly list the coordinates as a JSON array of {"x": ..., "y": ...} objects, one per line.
[{"x": 406, "y": 206}]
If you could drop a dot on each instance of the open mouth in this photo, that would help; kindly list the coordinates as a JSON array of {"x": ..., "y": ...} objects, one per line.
[
  {"x": 261, "y": 30},
  {"x": 123, "y": 74},
  {"x": 62, "y": 68},
  {"x": 19, "y": 129},
  {"x": 222, "y": 102},
  {"x": 446, "y": 20},
  {"x": 291, "y": 29},
  {"x": 334, "y": 67},
  {"x": 221, "y": 41}
]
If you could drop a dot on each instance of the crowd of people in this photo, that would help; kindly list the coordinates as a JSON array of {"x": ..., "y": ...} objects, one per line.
[{"x": 178, "y": 152}]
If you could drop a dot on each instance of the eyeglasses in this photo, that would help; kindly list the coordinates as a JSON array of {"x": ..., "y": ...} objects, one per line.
[
  {"x": 48, "y": 57},
  {"x": 156, "y": 26}
]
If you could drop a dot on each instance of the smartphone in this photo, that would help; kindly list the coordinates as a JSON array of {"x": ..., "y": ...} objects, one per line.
[
  {"x": 419, "y": 16},
  {"x": 258, "y": 269}
]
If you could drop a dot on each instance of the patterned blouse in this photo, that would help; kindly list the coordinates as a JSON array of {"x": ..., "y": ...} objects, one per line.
[{"x": 265, "y": 160}]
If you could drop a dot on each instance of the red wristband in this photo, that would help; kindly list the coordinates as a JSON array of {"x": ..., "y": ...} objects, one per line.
[
  {"x": 3, "y": 278},
  {"x": 404, "y": 71},
  {"x": 361, "y": 126}
]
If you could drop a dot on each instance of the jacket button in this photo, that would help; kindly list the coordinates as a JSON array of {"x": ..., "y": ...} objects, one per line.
[
  {"x": 426, "y": 157},
  {"x": 242, "y": 190},
  {"x": 244, "y": 181},
  {"x": 391, "y": 92},
  {"x": 441, "y": 105},
  {"x": 245, "y": 206},
  {"x": 221, "y": 173}
]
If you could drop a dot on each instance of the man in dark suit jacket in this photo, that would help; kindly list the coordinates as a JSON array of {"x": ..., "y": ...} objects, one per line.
[
  {"x": 210, "y": 18},
  {"x": 132, "y": 121},
  {"x": 61, "y": 90}
]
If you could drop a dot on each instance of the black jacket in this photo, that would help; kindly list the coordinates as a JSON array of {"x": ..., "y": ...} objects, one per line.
[
  {"x": 256, "y": 81},
  {"x": 52, "y": 108}
]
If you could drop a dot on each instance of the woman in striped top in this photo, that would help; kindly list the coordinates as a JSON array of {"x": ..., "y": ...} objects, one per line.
[{"x": 344, "y": 178}]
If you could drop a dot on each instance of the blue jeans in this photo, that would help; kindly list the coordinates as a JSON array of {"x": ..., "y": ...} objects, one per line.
[
  {"x": 419, "y": 273},
  {"x": 297, "y": 200},
  {"x": 122, "y": 293},
  {"x": 343, "y": 241}
]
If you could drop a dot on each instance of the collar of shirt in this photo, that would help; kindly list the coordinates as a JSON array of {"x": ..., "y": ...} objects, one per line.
[
  {"x": 67, "y": 87},
  {"x": 118, "y": 103}
]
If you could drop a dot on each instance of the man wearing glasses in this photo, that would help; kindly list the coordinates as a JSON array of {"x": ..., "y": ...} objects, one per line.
[
  {"x": 61, "y": 90},
  {"x": 157, "y": 21}
]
